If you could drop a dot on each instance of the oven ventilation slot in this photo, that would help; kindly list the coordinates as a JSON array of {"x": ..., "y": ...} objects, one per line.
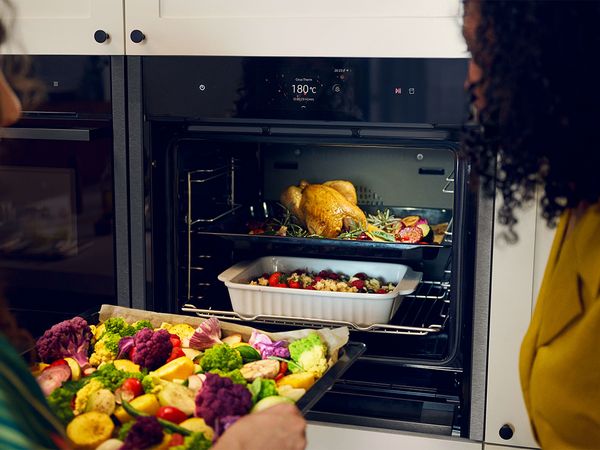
[{"x": 421, "y": 313}]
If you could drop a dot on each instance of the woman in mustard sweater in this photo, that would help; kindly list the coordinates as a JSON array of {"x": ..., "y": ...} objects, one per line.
[{"x": 535, "y": 84}]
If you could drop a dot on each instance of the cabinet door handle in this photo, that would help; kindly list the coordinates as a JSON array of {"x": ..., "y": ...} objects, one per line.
[
  {"x": 55, "y": 134},
  {"x": 101, "y": 36},
  {"x": 137, "y": 36},
  {"x": 506, "y": 431}
]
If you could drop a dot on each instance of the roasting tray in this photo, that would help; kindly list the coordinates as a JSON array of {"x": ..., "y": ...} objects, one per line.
[
  {"x": 234, "y": 229},
  {"x": 341, "y": 361}
]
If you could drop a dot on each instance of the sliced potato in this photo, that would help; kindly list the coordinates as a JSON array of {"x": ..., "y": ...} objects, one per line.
[
  {"x": 147, "y": 403},
  {"x": 232, "y": 339},
  {"x": 102, "y": 401},
  {"x": 89, "y": 430},
  {"x": 198, "y": 425},
  {"x": 126, "y": 365},
  {"x": 75, "y": 369},
  {"x": 181, "y": 367}
]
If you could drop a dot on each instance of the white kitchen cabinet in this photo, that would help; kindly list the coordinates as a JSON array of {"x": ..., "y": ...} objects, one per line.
[
  {"x": 67, "y": 27},
  {"x": 516, "y": 276},
  {"x": 386, "y": 28},
  {"x": 328, "y": 437}
]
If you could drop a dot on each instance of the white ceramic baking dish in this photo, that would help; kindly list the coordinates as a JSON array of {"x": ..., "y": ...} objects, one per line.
[{"x": 357, "y": 308}]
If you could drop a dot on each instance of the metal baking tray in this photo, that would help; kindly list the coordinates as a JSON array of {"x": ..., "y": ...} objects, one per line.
[
  {"x": 347, "y": 356},
  {"x": 233, "y": 228}
]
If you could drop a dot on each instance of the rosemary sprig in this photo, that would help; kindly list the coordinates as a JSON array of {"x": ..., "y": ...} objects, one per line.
[{"x": 385, "y": 220}]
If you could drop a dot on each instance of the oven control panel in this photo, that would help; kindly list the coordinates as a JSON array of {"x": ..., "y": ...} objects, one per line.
[{"x": 402, "y": 90}]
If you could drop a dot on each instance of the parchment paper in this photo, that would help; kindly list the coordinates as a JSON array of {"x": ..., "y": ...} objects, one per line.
[{"x": 335, "y": 338}]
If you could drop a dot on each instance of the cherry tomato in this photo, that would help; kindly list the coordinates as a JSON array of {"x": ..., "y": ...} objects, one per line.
[
  {"x": 358, "y": 284},
  {"x": 133, "y": 385},
  {"x": 274, "y": 279},
  {"x": 277, "y": 280},
  {"x": 294, "y": 284},
  {"x": 176, "y": 439},
  {"x": 58, "y": 362},
  {"x": 381, "y": 291},
  {"x": 171, "y": 414},
  {"x": 176, "y": 353},
  {"x": 175, "y": 340}
]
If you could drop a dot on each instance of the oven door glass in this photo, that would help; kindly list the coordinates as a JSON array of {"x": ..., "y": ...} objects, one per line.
[{"x": 56, "y": 221}]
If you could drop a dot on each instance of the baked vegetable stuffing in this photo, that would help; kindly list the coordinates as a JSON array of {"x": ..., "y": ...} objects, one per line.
[
  {"x": 149, "y": 398},
  {"x": 324, "y": 280}
]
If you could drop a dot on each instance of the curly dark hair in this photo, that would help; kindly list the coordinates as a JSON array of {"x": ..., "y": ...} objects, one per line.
[{"x": 541, "y": 100}]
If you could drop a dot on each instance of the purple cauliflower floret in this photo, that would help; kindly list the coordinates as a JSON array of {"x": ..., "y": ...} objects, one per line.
[
  {"x": 67, "y": 339},
  {"x": 222, "y": 424},
  {"x": 145, "y": 432},
  {"x": 220, "y": 397},
  {"x": 151, "y": 348},
  {"x": 266, "y": 347}
]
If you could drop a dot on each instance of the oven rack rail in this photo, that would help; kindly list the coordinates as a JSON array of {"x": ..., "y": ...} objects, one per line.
[{"x": 421, "y": 313}]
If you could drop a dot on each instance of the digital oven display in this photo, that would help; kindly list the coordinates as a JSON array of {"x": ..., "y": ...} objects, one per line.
[
  {"x": 305, "y": 89},
  {"x": 323, "y": 89}
]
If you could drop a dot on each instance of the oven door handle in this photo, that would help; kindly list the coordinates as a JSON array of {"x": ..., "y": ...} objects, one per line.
[{"x": 54, "y": 134}]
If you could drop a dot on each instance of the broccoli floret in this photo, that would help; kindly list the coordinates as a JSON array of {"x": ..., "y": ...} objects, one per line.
[
  {"x": 221, "y": 357},
  {"x": 235, "y": 375},
  {"x": 151, "y": 385},
  {"x": 144, "y": 433},
  {"x": 69, "y": 338},
  {"x": 196, "y": 441},
  {"x": 112, "y": 378},
  {"x": 117, "y": 325},
  {"x": 261, "y": 388},
  {"x": 310, "y": 353},
  {"x": 61, "y": 398},
  {"x": 124, "y": 431},
  {"x": 140, "y": 324},
  {"x": 151, "y": 348},
  {"x": 221, "y": 397},
  {"x": 268, "y": 388}
]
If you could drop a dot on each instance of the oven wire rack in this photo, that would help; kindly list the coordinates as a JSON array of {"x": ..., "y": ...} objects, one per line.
[{"x": 421, "y": 313}]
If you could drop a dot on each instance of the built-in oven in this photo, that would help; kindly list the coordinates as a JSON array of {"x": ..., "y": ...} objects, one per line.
[
  {"x": 57, "y": 208},
  {"x": 215, "y": 140}
]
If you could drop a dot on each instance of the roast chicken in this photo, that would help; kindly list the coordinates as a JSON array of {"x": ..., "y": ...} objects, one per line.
[{"x": 324, "y": 209}]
